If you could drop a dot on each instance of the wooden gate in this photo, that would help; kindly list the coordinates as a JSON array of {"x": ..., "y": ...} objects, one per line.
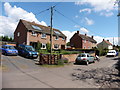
[{"x": 49, "y": 59}]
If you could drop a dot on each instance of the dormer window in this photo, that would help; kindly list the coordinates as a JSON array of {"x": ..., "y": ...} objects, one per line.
[{"x": 43, "y": 35}]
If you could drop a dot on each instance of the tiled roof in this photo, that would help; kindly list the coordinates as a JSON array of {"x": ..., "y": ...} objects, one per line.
[
  {"x": 87, "y": 38},
  {"x": 107, "y": 42},
  {"x": 41, "y": 28}
]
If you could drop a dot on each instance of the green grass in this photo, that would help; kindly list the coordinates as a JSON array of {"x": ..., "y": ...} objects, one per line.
[{"x": 52, "y": 66}]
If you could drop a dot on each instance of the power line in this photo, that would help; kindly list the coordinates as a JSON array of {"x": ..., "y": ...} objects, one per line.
[
  {"x": 75, "y": 22},
  {"x": 42, "y": 11}
]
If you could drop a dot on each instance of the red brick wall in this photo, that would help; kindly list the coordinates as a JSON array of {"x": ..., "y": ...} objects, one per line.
[
  {"x": 23, "y": 34},
  {"x": 76, "y": 41}
]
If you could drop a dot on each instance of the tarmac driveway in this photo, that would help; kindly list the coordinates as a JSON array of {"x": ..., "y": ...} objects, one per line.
[{"x": 19, "y": 72}]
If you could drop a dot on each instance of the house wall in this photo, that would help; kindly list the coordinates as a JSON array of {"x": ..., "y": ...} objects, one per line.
[
  {"x": 102, "y": 45},
  {"x": 22, "y": 39},
  {"x": 86, "y": 44},
  {"x": 45, "y": 40},
  {"x": 76, "y": 41}
]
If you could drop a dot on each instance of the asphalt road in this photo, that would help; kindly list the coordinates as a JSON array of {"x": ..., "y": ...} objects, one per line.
[{"x": 19, "y": 72}]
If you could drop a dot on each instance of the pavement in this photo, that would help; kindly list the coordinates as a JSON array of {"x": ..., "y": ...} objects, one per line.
[{"x": 19, "y": 72}]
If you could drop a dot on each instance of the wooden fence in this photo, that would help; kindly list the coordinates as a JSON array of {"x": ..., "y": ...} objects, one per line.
[{"x": 49, "y": 59}]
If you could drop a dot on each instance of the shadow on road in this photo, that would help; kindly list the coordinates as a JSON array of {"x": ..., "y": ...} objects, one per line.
[{"x": 118, "y": 65}]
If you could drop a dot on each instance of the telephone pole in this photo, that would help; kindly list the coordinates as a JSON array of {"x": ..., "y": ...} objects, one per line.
[{"x": 51, "y": 29}]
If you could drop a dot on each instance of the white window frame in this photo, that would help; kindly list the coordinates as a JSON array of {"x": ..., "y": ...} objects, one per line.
[
  {"x": 34, "y": 33},
  {"x": 43, "y": 45},
  {"x": 18, "y": 34},
  {"x": 84, "y": 41},
  {"x": 43, "y": 35},
  {"x": 84, "y": 47},
  {"x": 57, "y": 47},
  {"x": 56, "y": 37}
]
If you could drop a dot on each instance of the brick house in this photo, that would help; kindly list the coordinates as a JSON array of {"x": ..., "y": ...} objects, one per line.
[
  {"x": 80, "y": 41},
  {"x": 30, "y": 33},
  {"x": 105, "y": 44}
]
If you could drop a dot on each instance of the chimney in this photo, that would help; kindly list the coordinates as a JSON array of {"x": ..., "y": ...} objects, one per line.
[
  {"x": 91, "y": 36},
  {"x": 33, "y": 21},
  {"x": 108, "y": 40},
  {"x": 85, "y": 34},
  {"x": 77, "y": 32},
  {"x": 103, "y": 39}
]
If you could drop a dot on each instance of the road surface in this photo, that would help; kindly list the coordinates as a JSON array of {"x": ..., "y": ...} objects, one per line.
[{"x": 19, "y": 72}]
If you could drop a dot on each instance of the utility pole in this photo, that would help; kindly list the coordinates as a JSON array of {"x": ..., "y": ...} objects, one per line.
[{"x": 51, "y": 30}]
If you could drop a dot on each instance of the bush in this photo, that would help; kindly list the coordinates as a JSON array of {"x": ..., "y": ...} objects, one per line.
[{"x": 60, "y": 62}]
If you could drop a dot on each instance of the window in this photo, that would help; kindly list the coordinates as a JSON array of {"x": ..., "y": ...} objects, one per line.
[
  {"x": 36, "y": 27},
  {"x": 84, "y": 41},
  {"x": 18, "y": 34},
  {"x": 56, "y": 46},
  {"x": 33, "y": 33},
  {"x": 57, "y": 37},
  {"x": 43, "y": 46},
  {"x": 84, "y": 47},
  {"x": 63, "y": 38},
  {"x": 43, "y": 35}
]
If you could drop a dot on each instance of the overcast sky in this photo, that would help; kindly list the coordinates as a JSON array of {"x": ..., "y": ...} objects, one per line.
[{"x": 97, "y": 18}]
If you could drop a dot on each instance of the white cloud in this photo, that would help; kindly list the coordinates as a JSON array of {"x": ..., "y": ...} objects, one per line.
[
  {"x": 106, "y": 14},
  {"x": 100, "y": 39},
  {"x": 68, "y": 34},
  {"x": 89, "y": 21},
  {"x": 77, "y": 26},
  {"x": 84, "y": 30},
  {"x": 13, "y": 15},
  {"x": 86, "y": 10},
  {"x": 99, "y": 5}
]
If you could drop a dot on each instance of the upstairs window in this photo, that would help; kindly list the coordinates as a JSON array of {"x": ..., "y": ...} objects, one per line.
[
  {"x": 63, "y": 38},
  {"x": 33, "y": 33},
  {"x": 57, "y": 38},
  {"x": 43, "y": 35},
  {"x": 18, "y": 34},
  {"x": 36, "y": 27}
]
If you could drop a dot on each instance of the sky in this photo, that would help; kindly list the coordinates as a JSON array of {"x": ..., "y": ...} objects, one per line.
[{"x": 97, "y": 18}]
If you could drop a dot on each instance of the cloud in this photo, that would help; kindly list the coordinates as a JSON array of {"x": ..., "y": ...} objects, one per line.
[
  {"x": 89, "y": 21},
  {"x": 85, "y": 10},
  {"x": 77, "y": 26},
  {"x": 68, "y": 34},
  {"x": 99, "y": 5},
  {"x": 13, "y": 15},
  {"x": 106, "y": 14},
  {"x": 84, "y": 30}
]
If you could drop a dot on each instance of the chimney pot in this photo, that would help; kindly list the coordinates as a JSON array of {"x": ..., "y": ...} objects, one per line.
[
  {"x": 85, "y": 34},
  {"x": 92, "y": 36},
  {"x": 103, "y": 39},
  {"x": 108, "y": 40},
  {"x": 77, "y": 32}
]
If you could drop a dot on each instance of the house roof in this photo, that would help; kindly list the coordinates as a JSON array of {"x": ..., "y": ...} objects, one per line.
[
  {"x": 32, "y": 26},
  {"x": 87, "y": 38},
  {"x": 107, "y": 42}
]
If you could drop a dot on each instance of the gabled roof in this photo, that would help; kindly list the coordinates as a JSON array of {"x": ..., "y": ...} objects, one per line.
[
  {"x": 32, "y": 26},
  {"x": 87, "y": 38},
  {"x": 107, "y": 42}
]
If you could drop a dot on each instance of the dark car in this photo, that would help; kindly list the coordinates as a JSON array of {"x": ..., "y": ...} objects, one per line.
[
  {"x": 27, "y": 51},
  {"x": 9, "y": 50}
]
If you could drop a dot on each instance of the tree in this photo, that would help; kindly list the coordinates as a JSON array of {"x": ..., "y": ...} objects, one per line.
[
  {"x": 48, "y": 47},
  {"x": 68, "y": 44},
  {"x": 38, "y": 46}
]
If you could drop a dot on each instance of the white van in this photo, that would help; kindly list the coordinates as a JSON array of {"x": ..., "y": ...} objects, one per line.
[{"x": 111, "y": 53}]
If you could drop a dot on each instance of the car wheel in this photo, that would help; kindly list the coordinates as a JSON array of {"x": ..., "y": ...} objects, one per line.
[
  {"x": 87, "y": 62},
  {"x": 5, "y": 54},
  {"x": 93, "y": 61}
]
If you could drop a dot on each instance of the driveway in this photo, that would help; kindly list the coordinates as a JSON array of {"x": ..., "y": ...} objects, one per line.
[{"x": 19, "y": 72}]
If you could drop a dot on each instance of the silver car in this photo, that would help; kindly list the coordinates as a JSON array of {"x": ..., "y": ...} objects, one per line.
[{"x": 84, "y": 57}]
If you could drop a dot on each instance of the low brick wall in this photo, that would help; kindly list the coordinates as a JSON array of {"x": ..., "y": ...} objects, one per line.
[{"x": 70, "y": 57}]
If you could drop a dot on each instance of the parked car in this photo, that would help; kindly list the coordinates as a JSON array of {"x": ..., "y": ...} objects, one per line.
[
  {"x": 112, "y": 53},
  {"x": 27, "y": 51},
  {"x": 9, "y": 50},
  {"x": 84, "y": 57}
]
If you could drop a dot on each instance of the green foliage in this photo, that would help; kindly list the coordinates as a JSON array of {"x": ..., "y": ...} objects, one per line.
[
  {"x": 38, "y": 46},
  {"x": 60, "y": 62},
  {"x": 6, "y": 38},
  {"x": 48, "y": 47},
  {"x": 68, "y": 44}
]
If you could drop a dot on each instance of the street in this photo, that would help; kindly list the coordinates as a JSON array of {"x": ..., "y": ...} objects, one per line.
[{"x": 19, "y": 72}]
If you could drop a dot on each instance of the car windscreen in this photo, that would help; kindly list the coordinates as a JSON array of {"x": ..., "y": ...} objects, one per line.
[
  {"x": 10, "y": 47},
  {"x": 82, "y": 55},
  {"x": 111, "y": 52},
  {"x": 30, "y": 48}
]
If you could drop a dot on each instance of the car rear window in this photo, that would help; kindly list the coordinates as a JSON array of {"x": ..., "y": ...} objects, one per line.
[{"x": 82, "y": 55}]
